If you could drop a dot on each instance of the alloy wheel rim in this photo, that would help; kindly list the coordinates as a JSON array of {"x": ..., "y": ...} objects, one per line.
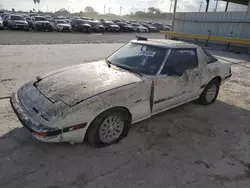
[
  {"x": 211, "y": 93},
  {"x": 111, "y": 129}
]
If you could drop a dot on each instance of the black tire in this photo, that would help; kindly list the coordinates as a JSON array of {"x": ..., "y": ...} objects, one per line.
[
  {"x": 202, "y": 99},
  {"x": 92, "y": 135}
]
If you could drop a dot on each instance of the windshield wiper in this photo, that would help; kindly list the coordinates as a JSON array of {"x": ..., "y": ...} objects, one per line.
[{"x": 129, "y": 69}]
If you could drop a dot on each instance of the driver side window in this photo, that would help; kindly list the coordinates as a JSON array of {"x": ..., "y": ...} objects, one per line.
[{"x": 179, "y": 61}]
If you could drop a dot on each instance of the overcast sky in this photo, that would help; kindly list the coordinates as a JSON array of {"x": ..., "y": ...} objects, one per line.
[{"x": 127, "y": 5}]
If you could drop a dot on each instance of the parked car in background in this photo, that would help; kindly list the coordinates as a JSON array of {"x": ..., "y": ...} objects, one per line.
[
  {"x": 41, "y": 23},
  {"x": 4, "y": 14},
  {"x": 96, "y": 26},
  {"x": 17, "y": 22},
  {"x": 167, "y": 28},
  {"x": 85, "y": 18},
  {"x": 5, "y": 20},
  {"x": 29, "y": 21},
  {"x": 111, "y": 26},
  {"x": 116, "y": 21},
  {"x": 139, "y": 28},
  {"x": 67, "y": 20},
  {"x": 125, "y": 27},
  {"x": 150, "y": 27},
  {"x": 1, "y": 24},
  {"x": 49, "y": 18},
  {"x": 33, "y": 14},
  {"x": 80, "y": 25},
  {"x": 62, "y": 25},
  {"x": 162, "y": 27}
]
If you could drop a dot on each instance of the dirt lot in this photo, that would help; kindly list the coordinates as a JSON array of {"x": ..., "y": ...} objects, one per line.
[
  {"x": 189, "y": 146},
  {"x": 33, "y": 37}
]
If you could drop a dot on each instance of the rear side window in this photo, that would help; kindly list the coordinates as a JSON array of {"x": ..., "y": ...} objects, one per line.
[
  {"x": 179, "y": 61},
  {"x": 210, "y": 58}
]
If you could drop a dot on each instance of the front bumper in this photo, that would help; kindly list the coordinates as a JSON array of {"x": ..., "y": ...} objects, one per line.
[
  {"x": 44, "y": 27},
  {"x": 114, "y": 29},
  {"x": 17, "y": 26},
  {"x": 64, "y": 29},
  {"x": 32, "y": 126}
]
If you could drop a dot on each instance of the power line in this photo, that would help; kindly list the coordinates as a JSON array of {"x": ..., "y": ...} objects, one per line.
[{"x": 170, "y": 6}]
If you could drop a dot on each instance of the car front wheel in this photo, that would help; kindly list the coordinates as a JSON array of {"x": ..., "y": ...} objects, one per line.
[
  {"x": 109, "y": 127},
  {"x": 210, "y": 93}
]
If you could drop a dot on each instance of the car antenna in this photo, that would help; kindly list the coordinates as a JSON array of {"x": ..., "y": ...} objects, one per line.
[{"x": 141, "y": 38}]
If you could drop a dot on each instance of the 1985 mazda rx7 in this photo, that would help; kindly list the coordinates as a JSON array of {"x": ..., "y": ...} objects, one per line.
[{"x": 98, "y": 101}]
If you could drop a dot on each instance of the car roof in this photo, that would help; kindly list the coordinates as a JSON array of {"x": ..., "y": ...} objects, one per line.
[{"x": 165, "y": 43}]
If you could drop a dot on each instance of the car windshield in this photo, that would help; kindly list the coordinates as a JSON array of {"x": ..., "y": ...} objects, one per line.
[
  {"x": 110, "y": 23},
  {"x": 82, "y": 22},
  {"x": 17, "y": 18},
  {"x": 140, "y": 58},
  {"x": 96, "y": 23},
  {"x": 61, "y": 22},
  {"x": 40, "y": 19}
]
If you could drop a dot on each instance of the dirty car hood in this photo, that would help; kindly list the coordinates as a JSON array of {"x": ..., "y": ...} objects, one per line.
[{"x": 78, "y": 83}]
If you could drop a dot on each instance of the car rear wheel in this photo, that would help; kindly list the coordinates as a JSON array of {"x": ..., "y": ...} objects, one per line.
[
  {"x": 109, "y": 127},
  {"x": 210, "y": 93}
]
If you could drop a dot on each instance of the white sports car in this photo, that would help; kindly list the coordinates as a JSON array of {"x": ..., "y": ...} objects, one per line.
[
  {"x": 98, "y": 101},
  {"x": 139, "y": 28}
]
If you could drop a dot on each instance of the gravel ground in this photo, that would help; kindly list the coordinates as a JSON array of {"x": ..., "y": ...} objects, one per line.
[
  {"x": 189, "y": 146},
  {"x": 32, "y": 37}
]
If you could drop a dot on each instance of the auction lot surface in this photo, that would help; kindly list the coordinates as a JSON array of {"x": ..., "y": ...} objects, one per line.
[
  {"x": 34, "y": 37},
  {"x": 189, "y": 146}
]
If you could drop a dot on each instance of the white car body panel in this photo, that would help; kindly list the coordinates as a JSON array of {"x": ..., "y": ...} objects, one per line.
[{"x": 78, "y": 94}]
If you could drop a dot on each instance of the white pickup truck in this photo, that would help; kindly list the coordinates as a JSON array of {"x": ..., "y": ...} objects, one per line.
[{"x": 99, "y": 100}]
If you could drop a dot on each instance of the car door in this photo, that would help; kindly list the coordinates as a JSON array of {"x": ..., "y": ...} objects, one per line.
[{"x": 179, "y": 80}]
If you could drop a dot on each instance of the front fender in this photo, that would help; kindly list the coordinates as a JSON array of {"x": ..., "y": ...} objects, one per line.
[{"x": 134, "y": 97}]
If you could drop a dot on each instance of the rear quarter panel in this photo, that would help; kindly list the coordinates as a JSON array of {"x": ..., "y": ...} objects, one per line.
[{"x": 212, "y": 70}]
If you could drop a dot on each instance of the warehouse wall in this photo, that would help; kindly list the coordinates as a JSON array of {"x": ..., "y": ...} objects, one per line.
[{"x": 235, "y": 24}]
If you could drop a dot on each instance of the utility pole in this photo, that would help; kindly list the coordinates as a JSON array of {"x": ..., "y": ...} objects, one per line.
[
  {"x": 207, "y": 5},
  {"x": 227, "y": 5},
  {"x": 170, "y": 6},
  {"x": 216, "y": 5},
  {"x": 104, "y": 11},
  {"x": 120, "y": 10},
  {"x": 47, "y": 9},
  {"x": 173, "y": 19},
  {"x": 109, "y": 10},
  {"x": 68, "y": 9},
  {"x": 200, "y": 6}
]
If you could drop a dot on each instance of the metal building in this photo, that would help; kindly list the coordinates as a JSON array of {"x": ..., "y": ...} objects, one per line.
[{"x": 233, "y": 24}]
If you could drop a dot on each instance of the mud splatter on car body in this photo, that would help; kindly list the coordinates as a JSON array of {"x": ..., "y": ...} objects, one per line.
[{"x": 71, "y": 98}]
